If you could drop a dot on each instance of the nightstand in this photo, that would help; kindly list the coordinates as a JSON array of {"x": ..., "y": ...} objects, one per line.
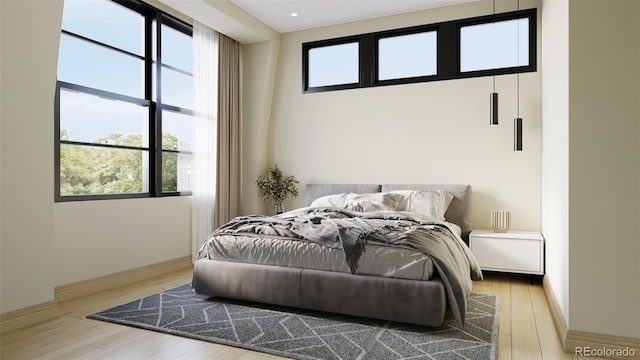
[{"x": 513, "y": 251}]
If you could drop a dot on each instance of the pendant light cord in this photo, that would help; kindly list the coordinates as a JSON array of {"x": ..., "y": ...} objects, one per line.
[
  {"x": 518, "y": 74},
  {"x": 494, "y": 15},
  {"x": 518, "y": 94}
]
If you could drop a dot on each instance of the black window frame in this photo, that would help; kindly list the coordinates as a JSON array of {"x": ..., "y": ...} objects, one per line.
[
  {"x": 333, "y": 42},
  {"x": 153, "y": 21},
  {"x": 448, "y": 52}
]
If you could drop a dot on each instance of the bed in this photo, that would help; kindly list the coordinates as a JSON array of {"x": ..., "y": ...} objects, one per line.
[{"x": 357, "y": 249}]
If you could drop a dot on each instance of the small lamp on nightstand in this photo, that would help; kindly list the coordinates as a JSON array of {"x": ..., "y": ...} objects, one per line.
[{"x": 500, "y": 220}]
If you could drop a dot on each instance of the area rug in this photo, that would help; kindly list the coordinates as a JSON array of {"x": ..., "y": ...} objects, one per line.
[{"x": 303, "y": 334}]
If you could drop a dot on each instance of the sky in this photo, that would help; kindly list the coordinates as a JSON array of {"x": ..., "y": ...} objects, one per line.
[{"x": 87, "y": 117}]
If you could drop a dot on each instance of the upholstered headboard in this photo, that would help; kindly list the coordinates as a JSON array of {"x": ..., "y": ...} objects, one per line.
[{"x": 458, "y": 213}]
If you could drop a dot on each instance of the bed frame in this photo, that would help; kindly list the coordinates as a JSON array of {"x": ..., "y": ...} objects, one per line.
[{"x": 411, "y": 301}]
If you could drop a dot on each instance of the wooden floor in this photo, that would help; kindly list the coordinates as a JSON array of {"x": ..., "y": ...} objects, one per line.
[{"x": 526, "y": 328}]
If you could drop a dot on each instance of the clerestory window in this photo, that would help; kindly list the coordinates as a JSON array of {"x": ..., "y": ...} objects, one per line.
[{"x": 488, "y": 45}]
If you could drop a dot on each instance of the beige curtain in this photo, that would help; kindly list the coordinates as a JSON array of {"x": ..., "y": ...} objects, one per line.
[{"x": 228, "y": 159}]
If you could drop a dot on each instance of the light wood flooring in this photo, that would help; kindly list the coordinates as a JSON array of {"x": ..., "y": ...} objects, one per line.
[{"x": 526, "y": 328}]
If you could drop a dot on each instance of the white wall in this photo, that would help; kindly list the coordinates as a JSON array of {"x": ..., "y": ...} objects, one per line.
[
  {"x": 96, "y": 238},
  {"x": 259, "y": 63},
  {"x": 29, "y": 33},
  {"x": 604, "y": 176},
  {"x": 591, "y": 173},
  {"x": 435, "y": 132},
  {"x": 555, "y": 147}
]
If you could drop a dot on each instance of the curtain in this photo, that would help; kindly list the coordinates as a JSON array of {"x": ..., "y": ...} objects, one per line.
[
  {"x": 205, "y": 78},
  {"x": 228, "y": 164}
]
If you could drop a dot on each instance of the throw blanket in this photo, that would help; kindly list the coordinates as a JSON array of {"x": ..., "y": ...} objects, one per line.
[{"x": 349, "y": 231}]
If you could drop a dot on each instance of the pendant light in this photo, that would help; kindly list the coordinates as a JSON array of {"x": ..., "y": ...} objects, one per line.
[
  {"x": 493, "y": 98},
  {"x": 517, "y": 134},
  {"x": 493, "y": 106},
  {"x": 517, "y": 122}
]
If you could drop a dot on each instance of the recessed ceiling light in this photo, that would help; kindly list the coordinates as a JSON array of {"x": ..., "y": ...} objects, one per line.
[{"x": 294, "y": 14}]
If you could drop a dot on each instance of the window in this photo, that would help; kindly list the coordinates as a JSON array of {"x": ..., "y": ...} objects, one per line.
[
  {"x": 496, "y": 45},
  {"x": 175, "y": 109},
  {"x": 124, "y": 100},
  {"x": 407, "y": 56},
  {"x": 334, "y": 65},
  {"x": 487, "y": 45}
]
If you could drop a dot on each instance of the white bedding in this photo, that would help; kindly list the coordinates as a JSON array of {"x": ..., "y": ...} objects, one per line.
[{"x": 376, "y": 260}]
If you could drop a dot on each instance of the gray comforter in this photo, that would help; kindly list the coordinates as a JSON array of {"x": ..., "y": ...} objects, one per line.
[{"x": 349, "y": 231}]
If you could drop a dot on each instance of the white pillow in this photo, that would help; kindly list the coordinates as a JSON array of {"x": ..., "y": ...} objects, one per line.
[
  {"x": 335, "y": 200},
  {"x": 372, "y": 202},
  {"x": 405, "y": 200},
  {"x": 429, "y": 203}
]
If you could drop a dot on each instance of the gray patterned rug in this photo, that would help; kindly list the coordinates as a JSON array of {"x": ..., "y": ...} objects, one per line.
[{"x": 303, "y": 334}]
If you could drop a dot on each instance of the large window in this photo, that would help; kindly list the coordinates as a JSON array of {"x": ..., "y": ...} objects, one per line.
[
  {"x": 488, "y": 45},
  {"x": 124, "y": 102}
]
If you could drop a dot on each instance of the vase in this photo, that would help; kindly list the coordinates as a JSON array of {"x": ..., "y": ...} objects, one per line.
[
  {"x": 500, "y": 220},
  {"x": 277, "y": 208}
]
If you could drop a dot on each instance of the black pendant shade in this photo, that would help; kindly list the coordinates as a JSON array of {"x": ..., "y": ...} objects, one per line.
[
  {"x": 493, "y": 108},
  {"x": 517, "y": 134}
]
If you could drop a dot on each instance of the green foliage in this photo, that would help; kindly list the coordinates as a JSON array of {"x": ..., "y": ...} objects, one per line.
[
  {"x": 275, "y": 186},
  {"x": 99, "y": 170},
  {"x": 169, "y": 172},
  {"x": 169, "y": 163}
]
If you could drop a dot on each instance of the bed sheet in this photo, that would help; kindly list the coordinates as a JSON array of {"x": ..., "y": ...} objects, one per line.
[{"x": 376, "y": 260}]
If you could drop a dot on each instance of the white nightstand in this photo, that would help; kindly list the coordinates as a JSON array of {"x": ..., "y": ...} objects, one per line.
[{"x": 513, "y": 251}]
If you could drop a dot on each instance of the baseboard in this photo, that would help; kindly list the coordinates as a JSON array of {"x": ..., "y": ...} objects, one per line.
[
  {"x": 28, "y": 316},
  {"x": 128, "y": 277},
  {"x": 49, "y": 310},
  {"x": 596, "y": 344},
  {"x": 556, "y": 313}
]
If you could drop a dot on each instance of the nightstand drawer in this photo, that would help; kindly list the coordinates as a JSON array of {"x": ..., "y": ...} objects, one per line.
[{"x": 509, "y": 252}]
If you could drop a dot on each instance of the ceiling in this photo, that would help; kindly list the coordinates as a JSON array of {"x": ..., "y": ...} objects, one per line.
[{"x": 317, "y": 13}]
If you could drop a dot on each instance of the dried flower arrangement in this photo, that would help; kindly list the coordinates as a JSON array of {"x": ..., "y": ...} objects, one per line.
[{"x": 276, "y": 187}]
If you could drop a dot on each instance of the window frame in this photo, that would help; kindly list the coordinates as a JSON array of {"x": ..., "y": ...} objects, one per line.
[
  {"x": 153, "y": 21},
  {"x": 447, "y": 47}
]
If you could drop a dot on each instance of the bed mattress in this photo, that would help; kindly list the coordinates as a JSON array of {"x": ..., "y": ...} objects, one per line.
[{"x": 376, "y": 260}]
